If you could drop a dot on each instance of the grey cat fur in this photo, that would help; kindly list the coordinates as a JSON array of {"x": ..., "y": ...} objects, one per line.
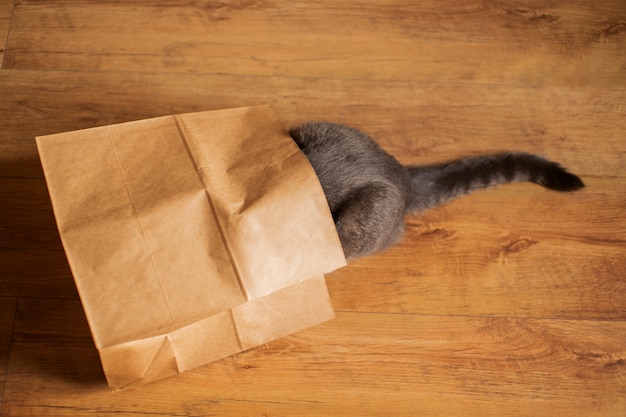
[{"x": 369, "y": 191}]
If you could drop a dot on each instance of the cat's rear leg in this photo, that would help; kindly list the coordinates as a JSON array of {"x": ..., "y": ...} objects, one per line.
[{"x": 370, "y": 219}]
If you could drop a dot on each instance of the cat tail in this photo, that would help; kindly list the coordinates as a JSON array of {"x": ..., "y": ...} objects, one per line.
[{"x": 440, "y": 183}]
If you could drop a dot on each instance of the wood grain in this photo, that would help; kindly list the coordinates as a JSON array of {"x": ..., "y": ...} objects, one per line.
[
  {"x": 532, "y": 42},
  {"x": 509, "y": 302},
  {"x": 395, "y": 364},
  {"x": 416, "y": 121}
]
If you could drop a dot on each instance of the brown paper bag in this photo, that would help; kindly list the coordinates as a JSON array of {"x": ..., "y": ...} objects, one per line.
[{"x": 190, "y": 237}]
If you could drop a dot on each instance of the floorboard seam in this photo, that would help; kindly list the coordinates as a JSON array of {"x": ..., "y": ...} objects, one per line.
[
  {"x": 8, "y": 360},
  {"x": 6, "y": 39}
]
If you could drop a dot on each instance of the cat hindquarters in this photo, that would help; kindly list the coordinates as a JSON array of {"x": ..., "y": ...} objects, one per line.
[{"x": 369, "y": 219}]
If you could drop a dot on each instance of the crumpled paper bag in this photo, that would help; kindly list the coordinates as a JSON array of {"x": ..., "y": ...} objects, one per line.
[{"x": 190, "y": 237}]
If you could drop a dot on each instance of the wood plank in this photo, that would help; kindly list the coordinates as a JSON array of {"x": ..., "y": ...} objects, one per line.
[
  {"x": 561, "y": 43},
  {"x": 513, "y": 251},
  {"x": 7, "y": 317},
  {"x": 6, "y": 12},
  {"x": 416, "y": 121},
  {"x": 357, "y": 364}
]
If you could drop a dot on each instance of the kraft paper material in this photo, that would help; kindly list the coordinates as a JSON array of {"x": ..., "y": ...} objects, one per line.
[{"x": 190, "y": 237}]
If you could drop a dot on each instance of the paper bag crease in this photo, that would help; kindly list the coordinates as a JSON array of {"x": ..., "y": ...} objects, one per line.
[{"x": 225, "y": 241}]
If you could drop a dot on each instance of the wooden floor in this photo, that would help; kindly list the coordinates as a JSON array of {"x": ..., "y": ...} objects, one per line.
[{"x": 510, "y": 302}]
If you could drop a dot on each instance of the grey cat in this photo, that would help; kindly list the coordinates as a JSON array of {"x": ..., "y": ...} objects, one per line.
[{"x": 369, "y": 191}]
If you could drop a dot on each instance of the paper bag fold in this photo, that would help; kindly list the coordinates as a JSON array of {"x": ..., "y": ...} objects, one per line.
[{"x": 190, "y": 237}]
